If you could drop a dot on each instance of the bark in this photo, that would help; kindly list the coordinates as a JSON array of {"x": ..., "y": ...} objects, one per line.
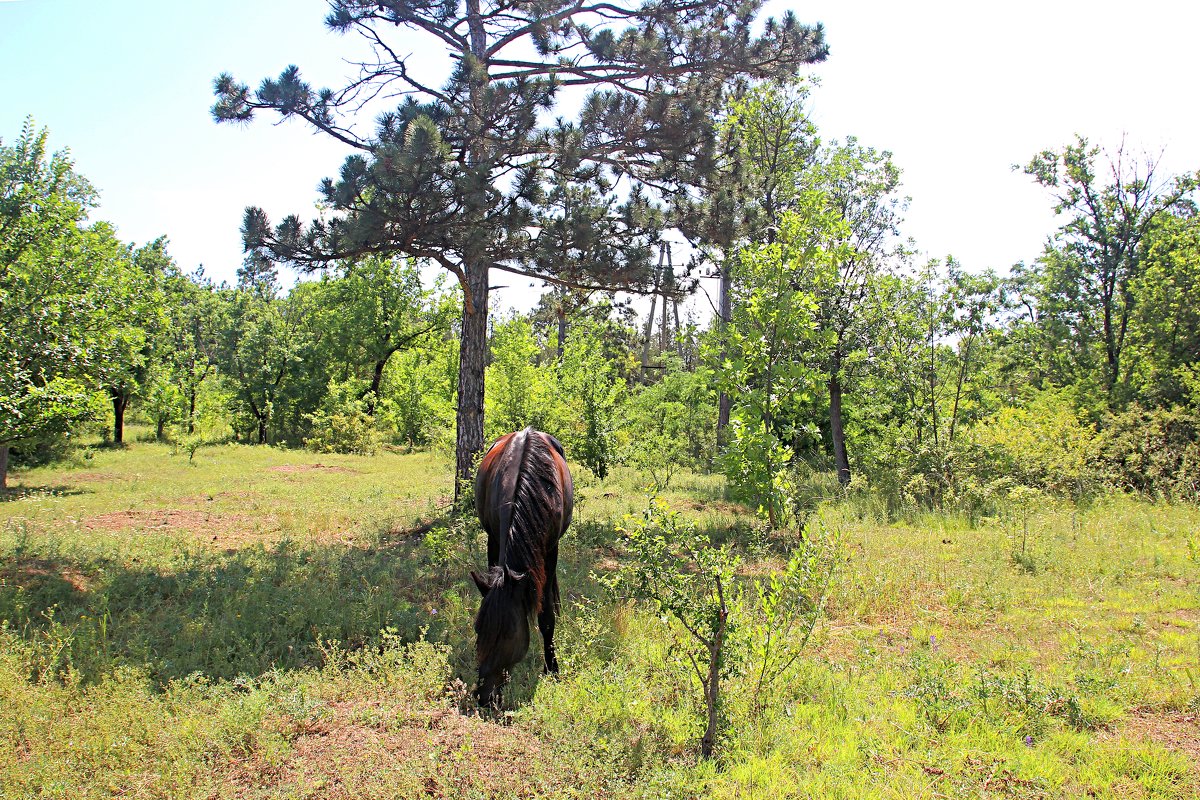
[
  {"x": 473, "y": 348},
  {"x": 119, "y": 401},
  {"x": 712, "y": 688},
  {"x": 191, "y": 417},
  {"x": 726, "y": 311},
  {"x": 472, "y": 359},
  {"x": 963, "y": 366},
  {"x": 3, "y": 466},
  {"x": 836, "y": 431},
  {"x": 561, "y": 312},
  {"x": 376, "y": 382},
  {"x": 159, "y": 430}
]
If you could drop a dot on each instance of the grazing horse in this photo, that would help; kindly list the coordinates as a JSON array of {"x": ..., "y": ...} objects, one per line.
[{"x": 523, "y": 495}]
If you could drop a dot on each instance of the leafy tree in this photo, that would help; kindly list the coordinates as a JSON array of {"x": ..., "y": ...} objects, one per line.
[
  {"x": 136, "y": 317},
  {"x": 1164, "y": 332},
  {"x": 668, "y": 423},
  {"x": 417, "y": 402},
  {"x": 1100, "y": 251},
  {"x": 377, "y": 307},
  {"x": 460, "y": 174},
  {"x": 860, "y": 184},
  {"x": 52, "y": 318},
  {"x": 974, "y": 302},
  {"x": 593, "y": 390},
  {"x": 521, "y": 394},
  {"x": 196, "y": 317},
  {"x": 267, "y": 338},
  {"x": 767, "y": 143}
]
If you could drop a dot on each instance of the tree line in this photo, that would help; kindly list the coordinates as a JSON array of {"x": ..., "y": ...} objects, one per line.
[{"x": 833, "y": 345}]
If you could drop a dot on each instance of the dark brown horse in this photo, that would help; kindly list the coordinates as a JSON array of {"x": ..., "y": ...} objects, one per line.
[{"x": 524, "y": 495}]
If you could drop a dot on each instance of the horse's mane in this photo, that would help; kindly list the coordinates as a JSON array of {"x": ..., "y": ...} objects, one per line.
[{"x": 533, "y": 514}]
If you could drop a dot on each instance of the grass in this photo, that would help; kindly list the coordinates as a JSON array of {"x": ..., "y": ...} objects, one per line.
[{"x": 269, "y": 623}]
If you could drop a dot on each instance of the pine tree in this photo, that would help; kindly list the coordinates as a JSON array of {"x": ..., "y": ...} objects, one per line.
[{"x": 474, "y": 175}]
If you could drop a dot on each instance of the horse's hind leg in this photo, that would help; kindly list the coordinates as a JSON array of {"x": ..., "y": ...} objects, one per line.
[{"x": 550, "y": 606}]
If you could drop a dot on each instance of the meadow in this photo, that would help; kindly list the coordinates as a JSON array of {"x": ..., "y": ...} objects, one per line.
[{"x": 253, "y": 622}]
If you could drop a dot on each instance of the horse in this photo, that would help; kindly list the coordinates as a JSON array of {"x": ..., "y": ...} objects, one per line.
[{"x": 523, "y": 496}]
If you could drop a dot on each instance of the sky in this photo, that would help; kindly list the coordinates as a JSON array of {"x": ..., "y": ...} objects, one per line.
[{"x": 958, "y": 91}]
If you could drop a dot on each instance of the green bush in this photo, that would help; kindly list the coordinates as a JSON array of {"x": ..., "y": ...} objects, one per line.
[
  {"x": 1155, "y": 452},
  {"x": 1042, "y": 445},
  {"x": 342, "y": 424}
]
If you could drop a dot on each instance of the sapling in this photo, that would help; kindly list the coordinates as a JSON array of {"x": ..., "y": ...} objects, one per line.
[{"x": 685, "y": 577}]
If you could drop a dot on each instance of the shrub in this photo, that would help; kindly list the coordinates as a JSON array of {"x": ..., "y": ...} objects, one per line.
[
  {"x": 1153, "y": 451},
  {"x": 1043, "y": 445},
  {"x": 342, "y": 424}
]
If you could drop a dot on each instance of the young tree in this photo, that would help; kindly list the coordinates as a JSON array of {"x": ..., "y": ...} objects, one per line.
[
  {"x": 136, "y": 317},
  {"x": 1102, "y": 245},
  {"x": 266, "y": 339},
  {"x": 196, "y": 316},
  {"x": 769, "y": 370},
  {"x": 457, "y": 175},
  {"x": 767, "y": 145},
  {"x": 1164, "y": 332}
]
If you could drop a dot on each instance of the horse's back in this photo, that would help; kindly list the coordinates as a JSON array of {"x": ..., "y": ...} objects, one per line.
[{"x": 499, "y": 477}]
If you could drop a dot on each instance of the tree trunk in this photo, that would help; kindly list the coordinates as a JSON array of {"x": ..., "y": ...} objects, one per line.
[
  {"x": 561, "y": 311},
  {"x": 837, "y": 433},
  {"x": 472, "y": 360},
  {"x": 191, "y": 426},
  {"x": 262, "y": 429},
  {"x": 119, "y": 401},
  {"x": 3, "y": 466},
  {"x": 376, "y": 382},
  {"x": 726, "y": 311},
  {"x": 712, "y": 689},
  {"x": 159, "y": 430}
]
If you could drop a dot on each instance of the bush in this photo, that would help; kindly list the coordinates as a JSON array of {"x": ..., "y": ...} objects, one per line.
[
  {"x": 1155, "y": 452},
  {"x": 342, "y": 424},
  {"x": 1043, "y": 445}
]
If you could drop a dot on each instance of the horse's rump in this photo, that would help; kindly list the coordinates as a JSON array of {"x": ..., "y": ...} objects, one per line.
[{"x": 524, "y": 497}]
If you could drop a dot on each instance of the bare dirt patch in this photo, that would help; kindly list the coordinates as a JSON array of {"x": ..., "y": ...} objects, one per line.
[
  {"x": 291, "y": 469},
  {"x": 90, "y": 477},
  {"x": 719, "y": 506},
  {"x": 35, "y": 572},
  {"x": 432, "y": 753},
  {"x": 228, "y": 530}
]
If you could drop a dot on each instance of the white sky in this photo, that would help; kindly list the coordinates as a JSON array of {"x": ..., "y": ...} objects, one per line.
[{"x": 958, "y": 91}]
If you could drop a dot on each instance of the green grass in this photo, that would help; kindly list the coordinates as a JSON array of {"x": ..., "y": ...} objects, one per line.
[{"x": 268, "y": 623}]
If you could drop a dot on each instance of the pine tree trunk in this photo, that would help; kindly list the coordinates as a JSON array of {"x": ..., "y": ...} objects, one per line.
[
  {"x": 726, "y": 311},
  {"x": 472, "y": 360},
  {"x": 836, "y": 430},
  {"x": 119, "y": 401},
  {"x": 3, "y": 466},
  {"x": 561, "y": 311}
]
